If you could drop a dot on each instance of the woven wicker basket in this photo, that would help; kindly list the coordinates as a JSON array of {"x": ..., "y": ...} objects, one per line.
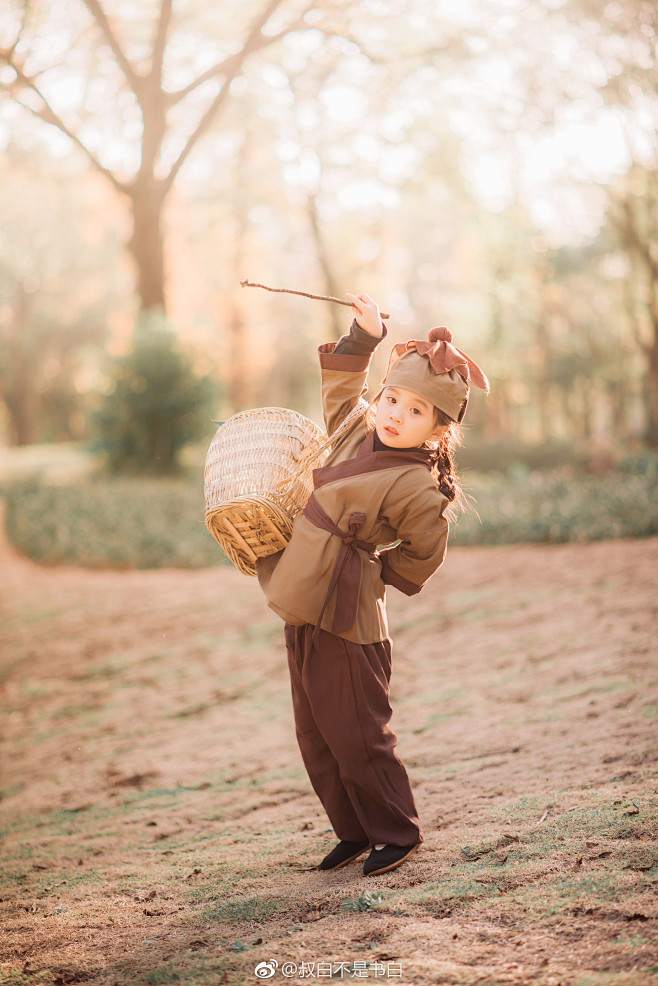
[{"x": 259, "y": 475}]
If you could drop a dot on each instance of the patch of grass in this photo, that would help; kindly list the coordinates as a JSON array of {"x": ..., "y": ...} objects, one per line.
[
  {"x": 364, "y": 902},
  {"x": 436, "y": 718},
  {"x": 236, "y": 910},
  {"x": 549, "y": 823},
  {"x": 443, "y": 897},
  {"x": 609, "y": 978},
  {"x": 11, "y": 790},
  {"x": 547, "y": 870},
  {"x": 159, "y": 977},
  {"x": 201, "y": 969},
  {"x": 18, "y": 977},
  {"x": 223, "y": 883}
]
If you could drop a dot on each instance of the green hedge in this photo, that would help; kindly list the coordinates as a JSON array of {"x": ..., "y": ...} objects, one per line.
[
  {"x": 115, "y": 523},
  {"x": 151, "y": 523},
  {"x": 556, "y": 506}
]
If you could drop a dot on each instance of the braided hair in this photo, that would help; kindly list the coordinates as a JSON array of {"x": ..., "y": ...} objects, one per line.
[{"x": 444, "y": 469}]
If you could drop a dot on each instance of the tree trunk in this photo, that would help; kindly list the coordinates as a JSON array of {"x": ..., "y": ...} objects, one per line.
[
  {"x": 147, "y": 247},
  {"x": 652, "y": 387},
  {"x": 542, "y": 388},
  {"x": 325, "y": 265},
  {"x": 20, "y": 399}
]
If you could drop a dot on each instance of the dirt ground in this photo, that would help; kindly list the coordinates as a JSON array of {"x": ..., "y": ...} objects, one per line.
[{"x": 159, "y": 826}]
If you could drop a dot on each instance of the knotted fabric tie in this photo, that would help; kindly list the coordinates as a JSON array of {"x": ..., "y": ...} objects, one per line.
[
  {"x": 443, "y": 356},
  {"x": 346, "y": 573}
]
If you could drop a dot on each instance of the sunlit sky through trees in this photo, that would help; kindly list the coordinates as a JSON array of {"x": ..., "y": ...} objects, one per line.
[
  {"x": 489, "y": 164},
  {"x": 508, "y": 149}
]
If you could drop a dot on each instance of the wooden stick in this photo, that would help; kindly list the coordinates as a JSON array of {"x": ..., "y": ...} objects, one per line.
[{"x": 304, "y": 294}]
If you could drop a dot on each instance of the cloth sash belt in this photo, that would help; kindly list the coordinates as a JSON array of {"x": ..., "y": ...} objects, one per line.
[{"x": 346, "y": 574}]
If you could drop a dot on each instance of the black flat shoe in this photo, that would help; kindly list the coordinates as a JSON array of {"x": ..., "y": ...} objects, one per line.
[
  {"x": 343, "y": 854},
  {"x": 388, "y": 858}
]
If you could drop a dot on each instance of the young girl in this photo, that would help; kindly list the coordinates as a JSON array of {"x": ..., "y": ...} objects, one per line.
[{"x": 385, "y": 480}]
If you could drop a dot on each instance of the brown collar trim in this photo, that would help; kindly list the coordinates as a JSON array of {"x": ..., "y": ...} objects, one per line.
[
  {"x": 368, "y": 461},
  {"x": 367, "y": 446}
]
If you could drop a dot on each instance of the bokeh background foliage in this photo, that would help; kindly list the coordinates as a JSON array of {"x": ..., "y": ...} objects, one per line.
[
  {"x": 146, "y": 522},
  {"x": 487, "y": 165}
]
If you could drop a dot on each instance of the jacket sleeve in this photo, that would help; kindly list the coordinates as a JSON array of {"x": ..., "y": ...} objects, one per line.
[
  {"x": 423, "y": 533},
  {"x": 344, "y": 366}
]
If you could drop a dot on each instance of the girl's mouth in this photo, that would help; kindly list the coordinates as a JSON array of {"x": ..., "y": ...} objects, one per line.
[{"x": 389, "y": 430}]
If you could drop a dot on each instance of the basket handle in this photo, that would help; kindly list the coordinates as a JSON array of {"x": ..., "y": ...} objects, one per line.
[{"x": 312, "y": 452}]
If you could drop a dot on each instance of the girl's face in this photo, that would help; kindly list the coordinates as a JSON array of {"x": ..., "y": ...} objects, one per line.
[{"x": 405, "y": 420}]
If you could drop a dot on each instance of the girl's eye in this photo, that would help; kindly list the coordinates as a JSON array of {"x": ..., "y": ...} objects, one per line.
[{"x": 415, "y": 410}]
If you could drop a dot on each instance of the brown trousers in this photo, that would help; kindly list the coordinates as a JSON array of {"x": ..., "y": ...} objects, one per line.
[{"x": 340, "y": 695}]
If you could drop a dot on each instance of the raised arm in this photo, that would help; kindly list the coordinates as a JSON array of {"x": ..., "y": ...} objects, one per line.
[
  {"x": 345, "y": 363},
  {"x": 366, "y": 315}
]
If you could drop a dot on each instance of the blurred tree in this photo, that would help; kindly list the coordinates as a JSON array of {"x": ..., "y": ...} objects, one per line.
[
  {"x": 409, "y": 171},
  {"x": 633, "y": 216},
  {"x": 124, "y": 82},
  {"x": 57, "y": 283},
  {"x": 136, "y": 87},
  {"x": 154, "y": 404},
  {"x": 141, "y": 74},
  {"x": 18, "y": 390},
  {"x": 624, "y": 37}
]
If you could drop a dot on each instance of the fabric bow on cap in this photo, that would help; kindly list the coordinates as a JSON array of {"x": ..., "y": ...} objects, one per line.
[
  {"x": 443, "y": 356},
  {"x": 437, "y": 371}
]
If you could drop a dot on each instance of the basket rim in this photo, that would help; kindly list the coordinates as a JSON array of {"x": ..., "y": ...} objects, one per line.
[{"x": 253, "y": 411}]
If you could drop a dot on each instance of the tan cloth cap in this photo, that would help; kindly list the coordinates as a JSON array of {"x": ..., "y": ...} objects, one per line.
[{"x": 435, "y": 370}]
